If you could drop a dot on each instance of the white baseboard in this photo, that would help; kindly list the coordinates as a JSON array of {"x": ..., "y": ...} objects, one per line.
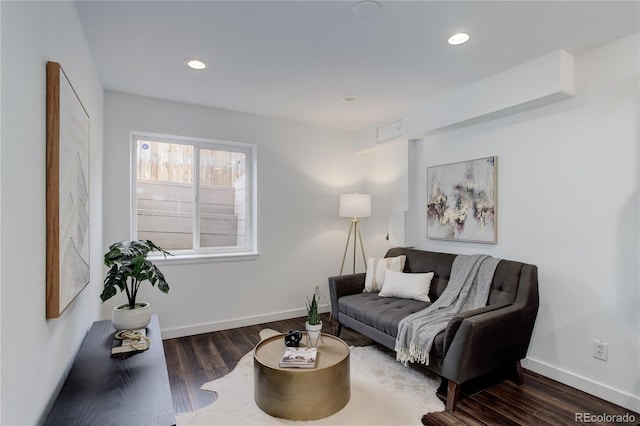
[
  {"x": 172, "y": 333},
  {"x": 615, "y": 396}
]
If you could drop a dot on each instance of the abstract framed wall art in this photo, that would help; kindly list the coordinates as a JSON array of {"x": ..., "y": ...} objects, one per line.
[
  {"x": 462, "y": 201},
  {"x": 67, "y": 192}
]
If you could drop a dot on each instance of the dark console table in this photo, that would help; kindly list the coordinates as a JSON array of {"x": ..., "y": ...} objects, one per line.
[{"x": 101, "y": 390}]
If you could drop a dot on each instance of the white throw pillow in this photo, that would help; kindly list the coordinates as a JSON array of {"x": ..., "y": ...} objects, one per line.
[
  {"x": 406, "y": 286},
  {"x": 376, "y": 267}
]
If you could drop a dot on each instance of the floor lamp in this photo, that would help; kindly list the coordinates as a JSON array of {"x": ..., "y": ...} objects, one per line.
[{"x": 354, "y": 206}]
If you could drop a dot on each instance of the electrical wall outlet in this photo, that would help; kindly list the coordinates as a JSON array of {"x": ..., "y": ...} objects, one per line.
[{"x": 600, "y": 350}]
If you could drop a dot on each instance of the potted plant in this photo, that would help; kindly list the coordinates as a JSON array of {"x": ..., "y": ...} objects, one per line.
[
  {"x": 128, "y": 269},
  {"x": 313, "y": 324}
]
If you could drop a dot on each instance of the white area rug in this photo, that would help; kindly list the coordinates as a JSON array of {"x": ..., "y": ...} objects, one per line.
[{"x": 383, "y": 392}]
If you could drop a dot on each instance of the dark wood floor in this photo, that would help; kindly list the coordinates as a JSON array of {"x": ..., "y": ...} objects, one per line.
[{"x": 497, "y": 400}]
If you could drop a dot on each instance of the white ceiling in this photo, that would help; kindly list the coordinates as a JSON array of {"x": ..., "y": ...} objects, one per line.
[{"x": 297, "y": 59}]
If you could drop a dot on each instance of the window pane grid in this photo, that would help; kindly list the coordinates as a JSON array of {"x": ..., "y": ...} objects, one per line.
[
  {"x": 192, "y": 209},
  {"x": 165, "y": 162}
]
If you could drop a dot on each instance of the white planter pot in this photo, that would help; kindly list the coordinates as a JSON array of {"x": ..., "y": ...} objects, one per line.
[
  {"x": 314, "y": 334},
  {"x": 125, "y": 318}
]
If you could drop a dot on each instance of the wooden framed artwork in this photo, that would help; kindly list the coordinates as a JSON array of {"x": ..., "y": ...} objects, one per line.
[
  {"x": 67, "y": 172},
  {"x": 462, "y": 201}
]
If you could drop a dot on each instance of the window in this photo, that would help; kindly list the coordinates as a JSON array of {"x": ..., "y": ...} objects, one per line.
[{"x": 194, "y": 196}]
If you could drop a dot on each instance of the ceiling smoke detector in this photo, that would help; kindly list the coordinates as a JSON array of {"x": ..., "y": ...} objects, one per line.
[{"x": 351, "y": 98}]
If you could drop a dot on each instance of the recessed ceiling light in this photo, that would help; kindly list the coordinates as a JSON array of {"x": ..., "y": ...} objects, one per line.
[
  {"x": 458, "y": 38},
  {"x": 351, "y": 98},
  {"x": 366, "y": 9},
  {"x": 196, "y": 64}
]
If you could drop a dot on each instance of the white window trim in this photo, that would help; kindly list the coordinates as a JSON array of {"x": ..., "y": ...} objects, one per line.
[
  {"x": 194, "y": 258},
  {"x": 249, "y": 252}
]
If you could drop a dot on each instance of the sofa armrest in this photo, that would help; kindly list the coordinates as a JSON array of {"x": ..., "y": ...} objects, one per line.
[
  {"x": 344, "y": 285},
  {"x": 487, "y": 340},
  {"x": 454, "y": 324}
]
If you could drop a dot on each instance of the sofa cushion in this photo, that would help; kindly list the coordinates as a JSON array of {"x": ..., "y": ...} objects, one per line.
[
  {"x": 505, "y": 282},
  {"x": 503, "y": 287},
  {"x": 385, "y": 313},
  {"x": 407, "y": 286},
  {"x": 376, "y": 269},
  {"x": 420, "y": 261},
  {"x": 382, "y": 313}
]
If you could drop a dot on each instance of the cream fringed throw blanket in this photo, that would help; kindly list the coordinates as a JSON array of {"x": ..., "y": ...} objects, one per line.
[{"x": 468, "y": 288}]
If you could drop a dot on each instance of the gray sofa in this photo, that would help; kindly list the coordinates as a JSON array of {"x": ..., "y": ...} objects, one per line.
[{"x": 474, "y": 343}]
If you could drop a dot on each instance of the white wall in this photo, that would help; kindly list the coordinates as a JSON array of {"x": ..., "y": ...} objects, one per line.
[
  {"x": 585, "y": 236},
  {"x": 386, "y": 179},
  {"x": 568, "y": 202},
  {"x": 302, "y": 170},
  {"x": 36, "y": 352}
]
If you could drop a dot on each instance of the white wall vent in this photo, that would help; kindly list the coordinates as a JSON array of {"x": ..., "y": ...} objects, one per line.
[{"x": 389, "y": 131}]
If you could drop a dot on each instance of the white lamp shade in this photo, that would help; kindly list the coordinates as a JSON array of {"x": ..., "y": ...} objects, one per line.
[{"x": 355, "y": 205}]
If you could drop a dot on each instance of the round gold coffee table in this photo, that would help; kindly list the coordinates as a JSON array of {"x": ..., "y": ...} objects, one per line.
[{"x": 301, "y": 393}]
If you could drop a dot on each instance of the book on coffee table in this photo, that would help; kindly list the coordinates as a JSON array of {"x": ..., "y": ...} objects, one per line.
[{"x": 299, "y": 357}]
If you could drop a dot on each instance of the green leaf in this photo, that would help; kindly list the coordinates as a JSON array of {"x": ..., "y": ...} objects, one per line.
[
  {"x": 313, "y": 317},
  {"x": 108, "y": 292}
]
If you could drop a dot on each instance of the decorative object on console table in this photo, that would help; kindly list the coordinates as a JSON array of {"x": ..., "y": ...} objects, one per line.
[
  {"x": 462, "y": 201},
  {"x": 67, "y": 192},
  {"x": 313, "y": 324},
  {"x": 128, "y": 268},
  {"x": 131, "y": 341},
  {"x": 354, "y": 206}
]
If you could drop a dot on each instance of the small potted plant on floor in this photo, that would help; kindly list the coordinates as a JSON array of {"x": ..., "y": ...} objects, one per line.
[
  {"x": 128, "y": 268},
  {"x": 313, "y": 324}
]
